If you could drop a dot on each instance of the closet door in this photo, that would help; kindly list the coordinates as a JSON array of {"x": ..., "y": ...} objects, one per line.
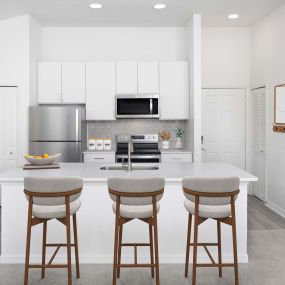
[
  {"x": 223, "y": 126},
  {"x": 259, "y": 141}
]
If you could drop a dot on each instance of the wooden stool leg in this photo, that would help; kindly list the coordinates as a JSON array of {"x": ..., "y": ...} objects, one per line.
[
  {"x": 219, "y": 247},
  {"x": 115, "y": 251},
  {"x": 44, "y": 248},
  {"x": 76, "y": 245},
  {"x": 156, "y": 252},
  {"x": 68, "y": 249},
  {"x": 151, "y": 249},
  {"x": 188, "y": 244},
  {"x": 234, "y": 242},
  {"x": 120, "y": 250},
  {"x": 195, "y": 249},
  {"x": 28, "y": 242}
]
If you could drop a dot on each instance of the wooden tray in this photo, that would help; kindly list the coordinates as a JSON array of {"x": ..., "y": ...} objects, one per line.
[{"x": 36, "y": 167}]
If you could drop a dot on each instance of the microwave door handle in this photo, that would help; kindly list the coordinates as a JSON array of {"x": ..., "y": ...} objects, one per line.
[{"x": 151, "y": 106}]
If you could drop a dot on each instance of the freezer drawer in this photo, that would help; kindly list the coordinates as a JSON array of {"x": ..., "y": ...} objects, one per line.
[
  {"x": 55, "y": 123},
  {"x": 70, "y": 151}
]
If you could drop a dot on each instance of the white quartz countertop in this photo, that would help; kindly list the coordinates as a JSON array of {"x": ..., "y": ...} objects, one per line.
[{"x": 91, "y": 172}]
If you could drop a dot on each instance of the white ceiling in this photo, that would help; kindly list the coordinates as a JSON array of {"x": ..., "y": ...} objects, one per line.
[{"x": 138, "y": 12}]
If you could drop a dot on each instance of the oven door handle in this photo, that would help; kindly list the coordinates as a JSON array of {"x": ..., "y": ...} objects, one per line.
[{"x": 139, "y": 156}]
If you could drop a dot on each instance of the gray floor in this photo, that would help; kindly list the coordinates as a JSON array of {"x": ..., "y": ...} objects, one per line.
[{"x": 266, "y": 247}]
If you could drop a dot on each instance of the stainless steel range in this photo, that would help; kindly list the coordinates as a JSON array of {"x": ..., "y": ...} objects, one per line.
[{"x": 145, "y": 148}]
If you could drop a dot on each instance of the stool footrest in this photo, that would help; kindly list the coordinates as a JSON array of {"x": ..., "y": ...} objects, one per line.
[
  {"x": 215, "y": 265},
  {"x": 135, "y": 244},
  {"x": 57, "y": 244},
  {"x": 48, "y": 266},
  {"x": 204, "y": 244},
  {"x": 126, "y": 265}
]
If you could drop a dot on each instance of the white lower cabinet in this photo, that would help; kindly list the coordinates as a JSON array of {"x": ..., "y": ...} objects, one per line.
[
  {"x": 176, "y": 157},
  {"x": 104, "y": 157}
]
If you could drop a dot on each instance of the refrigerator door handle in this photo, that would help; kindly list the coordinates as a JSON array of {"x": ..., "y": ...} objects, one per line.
[{"x": 76, "y": 125}]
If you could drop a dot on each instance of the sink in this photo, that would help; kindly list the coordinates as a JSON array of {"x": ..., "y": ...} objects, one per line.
[{"x": 125, "y": 167}]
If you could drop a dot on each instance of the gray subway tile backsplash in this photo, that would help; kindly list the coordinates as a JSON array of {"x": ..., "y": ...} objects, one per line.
[{"x": 109, "y": 129}]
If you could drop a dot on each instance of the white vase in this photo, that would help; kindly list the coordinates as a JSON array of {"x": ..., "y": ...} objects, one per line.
[
  {"x": 179, "y": 143},
  {"x": 165, "y": 144}
]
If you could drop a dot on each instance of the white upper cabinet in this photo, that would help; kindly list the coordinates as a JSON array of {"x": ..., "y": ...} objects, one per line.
[
  {"x": 174, "y": 90},
  {"x": 126, "y": 78},
  {"x": 49, "y": 83},
  {"x": 100, "y": 90},
  {"x": 148, "y": 78},
  {"x": 73, "y": 83}
]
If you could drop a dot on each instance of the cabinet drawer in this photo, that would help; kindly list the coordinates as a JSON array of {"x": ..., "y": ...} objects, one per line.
[
  {"x": 176, "y": 157},
  {"x": 99, "y": 157}
]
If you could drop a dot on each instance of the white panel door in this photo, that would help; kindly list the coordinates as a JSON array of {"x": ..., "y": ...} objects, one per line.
[
  {"x": 2, "y": 130},
  {"x": 49, "y": 83},
  {"x": 8, "y": 128},
  {"x": 148, "y": 78},
  {"x": 223, "y": 126},
  {"x": 73, "y": 83},
  {"x": 126, "y": 78},
  {"x": 100, "y": 90},
  {"x": 174, "y": 90},
  {"x": 259, "y": 141}
]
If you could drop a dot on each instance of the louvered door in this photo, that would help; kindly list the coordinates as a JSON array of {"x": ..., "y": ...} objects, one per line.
[{"x": 259, "y": 141}]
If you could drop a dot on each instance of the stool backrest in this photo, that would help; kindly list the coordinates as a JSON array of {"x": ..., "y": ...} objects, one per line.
[
  {"x": 51, "y": 191},
  {"x": 211, "y": 191},
  {"x": 136, "y": 191}
]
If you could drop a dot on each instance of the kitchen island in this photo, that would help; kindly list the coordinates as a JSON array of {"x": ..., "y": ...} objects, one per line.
[{"x": 96, "y": 218}]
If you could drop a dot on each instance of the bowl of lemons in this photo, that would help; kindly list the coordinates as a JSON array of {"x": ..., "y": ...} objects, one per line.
[{"x": 44, "y": 159}]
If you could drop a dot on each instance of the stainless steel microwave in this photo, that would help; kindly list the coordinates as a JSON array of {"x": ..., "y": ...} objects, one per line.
[{"x": 137, "y": 106}]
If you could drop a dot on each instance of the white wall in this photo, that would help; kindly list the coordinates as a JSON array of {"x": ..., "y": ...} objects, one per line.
[
  {"x": 35, "y": 50},
  {"x": 194, "y": 57},
  {"x": 225, "y": 57},
  {"x": 14, "y": 69},
  {"x": 268, "y": 68},
  {"x": 112, "y": 43}
]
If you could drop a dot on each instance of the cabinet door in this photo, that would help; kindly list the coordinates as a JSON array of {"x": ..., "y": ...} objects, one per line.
[
  {"x": 126, "y": 78},
  {"x": 100, "y": 90},
  {"x": 148, "y": 77},
  {"x": 99, "y": 157},
  {"x": 176, "y": 157},
  {"x": 2, "y": 133},
  {"x": 174, "y": 90},
  {"x": 49, "y": 83},
  {"x": 73, "y": 83}
]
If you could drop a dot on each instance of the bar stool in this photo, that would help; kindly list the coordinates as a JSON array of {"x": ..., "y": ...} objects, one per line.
[
  {"x": 136, "y": 198},
  {"x": 211, "y": 198},
  {"x": 52, "y": 198}
]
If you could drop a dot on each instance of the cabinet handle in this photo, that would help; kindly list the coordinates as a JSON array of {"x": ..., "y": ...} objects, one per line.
[{"x": 98, "y": 158}]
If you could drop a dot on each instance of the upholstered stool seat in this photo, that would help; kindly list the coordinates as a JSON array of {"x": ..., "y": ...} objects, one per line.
[
  {"x": 209, "y": 211},
  {"x": 55, "y": 212},
  {"x": 136, "y": 212}
]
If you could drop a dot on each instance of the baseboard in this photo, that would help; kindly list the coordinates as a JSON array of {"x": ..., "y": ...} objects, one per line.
[
  {"x": 89, "y": 259},
  {"x": 275, "y": 208}
]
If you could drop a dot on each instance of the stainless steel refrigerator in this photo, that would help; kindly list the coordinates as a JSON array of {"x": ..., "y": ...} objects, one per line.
[{"x": 57, "y": 130}]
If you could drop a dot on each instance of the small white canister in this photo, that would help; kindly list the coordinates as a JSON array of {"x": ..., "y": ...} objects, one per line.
[
  {"x": 91, "y": 144},
  {"x": 99, "y": 144},
  {"x": 107, "y": 144}
]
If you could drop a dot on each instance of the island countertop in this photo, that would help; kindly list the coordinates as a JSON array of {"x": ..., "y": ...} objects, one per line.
[{"x": 91, "y": 172}]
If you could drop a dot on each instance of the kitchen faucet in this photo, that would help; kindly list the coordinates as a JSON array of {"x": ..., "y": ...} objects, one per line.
[{"x": 130, "y": 150}]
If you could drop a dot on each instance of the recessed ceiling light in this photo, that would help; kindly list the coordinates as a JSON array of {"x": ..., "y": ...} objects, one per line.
[
  {"x": 96, "y": 5},
  {"x": 233, "y": 16},
  {"x": 159, "y": 6}
]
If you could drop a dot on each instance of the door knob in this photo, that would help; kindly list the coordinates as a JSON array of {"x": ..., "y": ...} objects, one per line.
[{"x": 203, "y": 149}]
